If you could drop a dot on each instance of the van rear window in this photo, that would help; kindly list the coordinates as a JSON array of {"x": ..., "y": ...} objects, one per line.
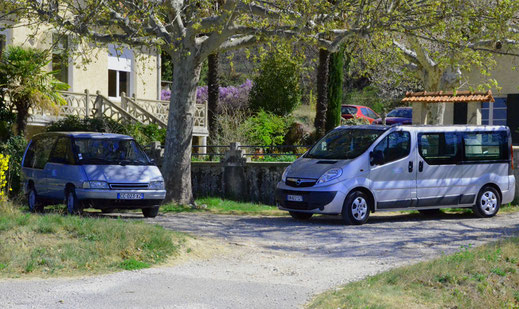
[{"x": 485, "y": 146}]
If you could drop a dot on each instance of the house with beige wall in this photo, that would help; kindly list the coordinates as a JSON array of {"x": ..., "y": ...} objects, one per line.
[{"x": 111, "y": 69}]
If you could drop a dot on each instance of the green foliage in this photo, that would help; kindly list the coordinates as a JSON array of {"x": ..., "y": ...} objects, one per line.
[
  {"x": 143, "y": 134},
  {"x": 133, "y": 264},
  {"x": 15, "y": 148},
  {"x": 220, "y": 206},
  {"x": 354, "y": 121},
  {"x": 266, "y": 128},
  {"x": 277, "y": 89},
  {"x": 24, "y": 75},
  {"x": 335, "y": 84}
]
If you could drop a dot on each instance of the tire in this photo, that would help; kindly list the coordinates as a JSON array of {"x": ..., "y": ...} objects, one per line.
[
  {"x": 72, "y": 203},
  {"x": 356, "y": 208},
  {"x": 487, "y": 203},
  {"x": 300, "y": 215},
  {"x": 151, "y": 212},
  {"x": 430, "y": 212},
  {"x": 33, "y": 201},
  {"x": 107, "y": 210}
]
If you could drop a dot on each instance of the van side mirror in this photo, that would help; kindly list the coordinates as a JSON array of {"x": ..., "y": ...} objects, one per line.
[{"x": 371, "y": 158}]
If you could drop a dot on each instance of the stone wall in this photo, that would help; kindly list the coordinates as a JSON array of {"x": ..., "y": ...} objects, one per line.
[{"x": 250, "y": 182}]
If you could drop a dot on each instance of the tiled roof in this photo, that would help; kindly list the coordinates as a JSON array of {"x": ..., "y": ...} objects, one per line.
[{"x": 448, "y": 97}]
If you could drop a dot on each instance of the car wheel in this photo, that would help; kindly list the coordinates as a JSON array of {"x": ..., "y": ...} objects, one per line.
[
  {"x": 356, "y": 208},
  {"x": 430, "y": 212},
  {"x": 73, "y": 205},
  {"x": 487, "y": 203},
  {"x": 33, "y": 201},
  {"x": 151, "y": 212},
  {"x": 300, "y": 215}
]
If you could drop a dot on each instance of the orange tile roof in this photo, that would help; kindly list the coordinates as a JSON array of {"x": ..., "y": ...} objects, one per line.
[{"x": 448, "y": 97}]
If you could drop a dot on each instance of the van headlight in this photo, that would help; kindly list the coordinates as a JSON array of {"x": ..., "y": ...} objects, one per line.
[
  {"x": 331, "y": 174},
  {"x": 156, "y": 185},
  {"x": 95, "y": 185},
  {"x": 284, "y": 176}
]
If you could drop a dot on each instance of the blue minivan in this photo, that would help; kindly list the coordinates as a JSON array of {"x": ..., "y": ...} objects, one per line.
[{"x": 83, "y": 169}]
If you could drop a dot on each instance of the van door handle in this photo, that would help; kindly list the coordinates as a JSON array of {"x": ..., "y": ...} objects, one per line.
[
  {"x": 420, "y": 166},
  {"x": 410, "y": 166}
]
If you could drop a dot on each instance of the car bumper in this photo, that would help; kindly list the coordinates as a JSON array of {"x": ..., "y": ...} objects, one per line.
[
  {"x": 318, "y": 200},
  {"x": 109, "y": 198}
]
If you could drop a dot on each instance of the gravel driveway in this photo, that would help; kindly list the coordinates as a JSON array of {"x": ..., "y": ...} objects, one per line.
[{"x": 267, "y": 262}]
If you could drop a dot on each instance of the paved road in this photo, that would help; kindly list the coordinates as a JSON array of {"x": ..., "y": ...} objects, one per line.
[{"x": 267, "y": 262}]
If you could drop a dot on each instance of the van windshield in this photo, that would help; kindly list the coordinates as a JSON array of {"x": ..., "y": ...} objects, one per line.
[
  {"x": 343, "y": 144},
  {"x": 106, "y": 151}
]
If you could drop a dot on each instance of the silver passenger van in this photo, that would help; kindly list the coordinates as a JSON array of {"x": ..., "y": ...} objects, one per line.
[
  {"x": 355, "y": 170},
  {"x": 99, "y": 170}
]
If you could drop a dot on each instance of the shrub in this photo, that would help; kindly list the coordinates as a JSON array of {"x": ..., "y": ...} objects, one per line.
[
  {"x": 4, "y": 165},
  {"x": 14, "y": 148},
  {"x": 143, "y": 134},
  {"x": 277, "y": 88},
  {"x": 266, "y": 128}
]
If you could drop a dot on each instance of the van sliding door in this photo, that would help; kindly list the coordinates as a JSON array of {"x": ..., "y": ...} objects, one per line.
[{"x": 439, "y": 177}]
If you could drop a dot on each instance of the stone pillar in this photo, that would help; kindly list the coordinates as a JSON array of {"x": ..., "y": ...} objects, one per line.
[
  {"x": 474, "y": 113},
  {"x": 419, "y": 113},
  {"x": 448, "y": 116},
  {"x": 203, "y": 143},
  {"x": 233, "y": 165}
]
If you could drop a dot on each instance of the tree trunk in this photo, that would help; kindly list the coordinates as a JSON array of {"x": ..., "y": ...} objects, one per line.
[
  {"x": 176, "y": 166},
  {"x": 335, "y": 83},
  {"x": 213, "y": 87},
  {"x": 21, "y": 118},
  {"x": 322, "y": 93}
]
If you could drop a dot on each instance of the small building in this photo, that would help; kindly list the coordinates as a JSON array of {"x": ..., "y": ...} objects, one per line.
[{"x": 462, "y": 107}]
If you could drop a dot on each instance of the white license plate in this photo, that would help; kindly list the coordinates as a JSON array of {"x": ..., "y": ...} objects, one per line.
[
  {"x": 130, "y": 196},
  {"x": 294, "y": 198}
]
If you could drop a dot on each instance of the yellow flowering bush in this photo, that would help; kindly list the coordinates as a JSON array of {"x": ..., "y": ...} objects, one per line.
[{"x": 4, "y": 165}]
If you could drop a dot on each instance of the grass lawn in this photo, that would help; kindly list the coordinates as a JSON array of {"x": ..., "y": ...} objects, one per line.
[
  {"x": 227, "y": 207},
  {"x": 56, "y": 244},
  {"x": 483, "y": 277}
]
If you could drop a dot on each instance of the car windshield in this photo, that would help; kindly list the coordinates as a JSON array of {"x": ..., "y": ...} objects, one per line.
[
  {"x": 108, "y": 151},
  {"x": 343, "y": 144},
  {"x": 401, "y": 113}
]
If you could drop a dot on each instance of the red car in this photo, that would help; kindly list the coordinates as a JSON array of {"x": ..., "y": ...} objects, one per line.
[{"x": 358, "y": 111}]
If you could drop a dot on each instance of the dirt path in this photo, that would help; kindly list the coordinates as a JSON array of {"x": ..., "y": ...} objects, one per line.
[{"x": 264, "y": 262}]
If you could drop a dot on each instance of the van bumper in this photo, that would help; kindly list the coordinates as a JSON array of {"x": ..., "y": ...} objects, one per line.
[
  {"x": 108, "y": 198},
  {"x": 320, "y": 200}
]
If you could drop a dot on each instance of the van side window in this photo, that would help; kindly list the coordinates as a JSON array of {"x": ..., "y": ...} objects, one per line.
[
  {"x": 29, "y": 156},
  {"x": 62, "y": 152},
  {"x": 42, "y": 151},
  {"x": 438, "y": 148},
  {"x": 485, "y": 146},
  {"x": 395, "y": 146}
]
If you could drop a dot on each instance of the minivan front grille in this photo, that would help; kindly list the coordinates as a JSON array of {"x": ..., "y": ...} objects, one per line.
[
  {"x": 300, "y": 182},
  {"x": 128, "y": 186}
]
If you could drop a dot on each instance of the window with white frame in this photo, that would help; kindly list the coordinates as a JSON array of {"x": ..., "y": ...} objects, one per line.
[
  {"x": 494, "y": 113},
  {"x": 120, "y": 64}
]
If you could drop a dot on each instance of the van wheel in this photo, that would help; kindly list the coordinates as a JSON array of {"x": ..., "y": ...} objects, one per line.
[
  {"x": 356, "y": 208},
  {"x": 487, "y": 203},
  {"x": 33, "y": 201},
  {"x": 300, "y": 215},
  {"x": 151, "y": 212},
  {"x": 430, "y": 212},
  {"x": 73, "y": 205}
]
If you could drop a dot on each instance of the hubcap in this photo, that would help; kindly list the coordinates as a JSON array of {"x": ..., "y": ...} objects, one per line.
[
  {"x": 359, "y": 208},
  {"x": 32, "y": 199},
  {"x": 488, "y": 202}
]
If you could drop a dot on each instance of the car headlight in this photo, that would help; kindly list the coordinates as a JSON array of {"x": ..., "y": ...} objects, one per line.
[
  {"x": 95, "y": 185},
  {"x": 284, "y": 176},
  {"x": 156, "y": 185},
  {"x": 331, "y": 174}
]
